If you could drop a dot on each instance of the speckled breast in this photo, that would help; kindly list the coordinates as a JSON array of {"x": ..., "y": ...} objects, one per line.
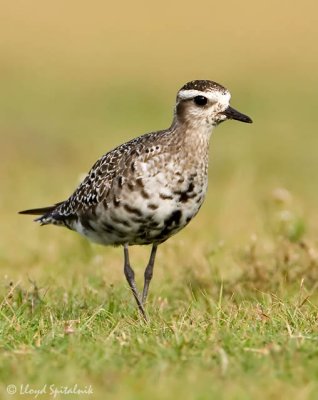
[{"x": 150, "y": 207}]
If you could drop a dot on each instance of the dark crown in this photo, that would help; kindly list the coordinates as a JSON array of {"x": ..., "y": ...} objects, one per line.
[{"x": 203, "y": 85}]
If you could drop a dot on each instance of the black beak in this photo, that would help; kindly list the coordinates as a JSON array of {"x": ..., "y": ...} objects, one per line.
[{"x": 231, "y": 113}]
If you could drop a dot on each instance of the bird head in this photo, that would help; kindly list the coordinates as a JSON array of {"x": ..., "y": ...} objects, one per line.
[{"x": 205, "y": 103}]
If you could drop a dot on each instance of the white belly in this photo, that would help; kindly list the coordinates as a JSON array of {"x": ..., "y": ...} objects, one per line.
[{"x": 145, "y": 210}]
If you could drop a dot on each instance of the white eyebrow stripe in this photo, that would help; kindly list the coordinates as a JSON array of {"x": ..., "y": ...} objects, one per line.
[
  {"x": 215, "y": 96},
  {"x": 189, "y": 94}
]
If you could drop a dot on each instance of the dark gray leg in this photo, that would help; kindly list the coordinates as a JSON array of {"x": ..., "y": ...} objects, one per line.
[
  {"x": 149, "y": 273},
  {"x": 130, "y": 276}
]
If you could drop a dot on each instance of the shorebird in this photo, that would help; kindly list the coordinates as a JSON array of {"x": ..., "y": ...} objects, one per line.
[{"x": 148, "y": 189}]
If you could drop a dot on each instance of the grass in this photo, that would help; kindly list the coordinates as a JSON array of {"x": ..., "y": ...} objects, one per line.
[
  {"x": 207, "y": 337},
  {"x": 233, "y": 303}
]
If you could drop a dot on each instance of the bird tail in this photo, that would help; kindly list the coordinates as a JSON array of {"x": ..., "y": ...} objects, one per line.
[
  {"x": 45, "y": 212},
  {"x": 38, "y": 211}
]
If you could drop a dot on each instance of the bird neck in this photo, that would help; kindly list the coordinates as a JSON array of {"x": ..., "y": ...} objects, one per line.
[{"x": 192, "y": 134}]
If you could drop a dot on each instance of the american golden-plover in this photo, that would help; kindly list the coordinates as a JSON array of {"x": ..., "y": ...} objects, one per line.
[{"x": 148, "y": 189}]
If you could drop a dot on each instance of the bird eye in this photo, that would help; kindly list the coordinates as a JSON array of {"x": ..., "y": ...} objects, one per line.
[{"x": 200, "y": 100}]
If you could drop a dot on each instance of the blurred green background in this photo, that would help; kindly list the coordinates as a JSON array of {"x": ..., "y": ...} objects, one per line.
[{"x": 78, "y": 78}]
